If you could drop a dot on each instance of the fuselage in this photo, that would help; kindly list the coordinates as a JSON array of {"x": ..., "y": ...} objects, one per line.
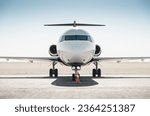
[{"x": 76, "y": 47}]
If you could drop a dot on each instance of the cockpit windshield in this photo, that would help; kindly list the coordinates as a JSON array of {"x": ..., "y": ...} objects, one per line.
[{"x": 75, "y": 38}]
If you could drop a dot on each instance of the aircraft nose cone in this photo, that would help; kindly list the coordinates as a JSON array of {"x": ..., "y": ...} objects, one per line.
[
  {"x": 77, "y": 47},
  {"x": 76, "y": 58}
]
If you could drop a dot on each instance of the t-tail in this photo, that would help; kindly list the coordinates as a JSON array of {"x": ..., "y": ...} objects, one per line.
[{"x": 74, "y": 24}]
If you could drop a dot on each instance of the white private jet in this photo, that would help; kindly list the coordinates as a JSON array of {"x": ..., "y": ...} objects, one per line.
[{"x": 75, "y": 48}]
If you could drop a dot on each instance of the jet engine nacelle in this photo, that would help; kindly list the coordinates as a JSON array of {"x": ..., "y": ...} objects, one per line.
[
  {"x": 97, "y": 50},
  {"x": 53, "y": 50}
]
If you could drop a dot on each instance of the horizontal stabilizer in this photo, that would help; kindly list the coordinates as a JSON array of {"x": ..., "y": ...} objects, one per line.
[{"x": 74, "y": 24}]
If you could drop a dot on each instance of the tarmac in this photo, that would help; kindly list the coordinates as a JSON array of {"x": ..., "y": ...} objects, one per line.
[{"x": 30, "y": 80}]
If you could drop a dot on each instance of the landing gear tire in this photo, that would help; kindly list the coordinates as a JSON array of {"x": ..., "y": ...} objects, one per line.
[
  {"x": 56, "y": 72},
  {"x": 53, "y": 72},
  {"x": 50, "y": 72},
  {"x": 97, "y": 73},
  {"x": 94, "y": 72}
]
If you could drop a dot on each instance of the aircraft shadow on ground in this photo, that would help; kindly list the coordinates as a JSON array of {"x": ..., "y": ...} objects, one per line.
[
  {"x": 67, "y": 81},
  {"x": 62, "y": 80},
  {"x": 85, "y": 80}
]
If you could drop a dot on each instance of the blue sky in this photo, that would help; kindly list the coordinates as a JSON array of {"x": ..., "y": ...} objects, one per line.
[{"x": 127, "y": 31}]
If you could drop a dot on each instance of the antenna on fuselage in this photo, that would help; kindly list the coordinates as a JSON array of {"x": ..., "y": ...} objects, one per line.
[{"x": 74, "y": 24}]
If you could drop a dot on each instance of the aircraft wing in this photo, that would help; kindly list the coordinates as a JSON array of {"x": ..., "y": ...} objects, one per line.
[
  {"x": 101, "y": 59},
  {"x": 31, "y": 58}
]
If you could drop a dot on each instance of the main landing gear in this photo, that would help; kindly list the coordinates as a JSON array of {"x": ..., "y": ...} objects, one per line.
[
  {"x": 96, "y": 71},
  {"x": 76, "y": 75},
  {"x": 53, "y": 72}
]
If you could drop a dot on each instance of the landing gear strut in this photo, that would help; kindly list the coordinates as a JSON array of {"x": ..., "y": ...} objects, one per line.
[
  {"x": 53, "y": 72},
  {"x": 96, "y": 71},
  {"x": 76, "y": 75}
]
